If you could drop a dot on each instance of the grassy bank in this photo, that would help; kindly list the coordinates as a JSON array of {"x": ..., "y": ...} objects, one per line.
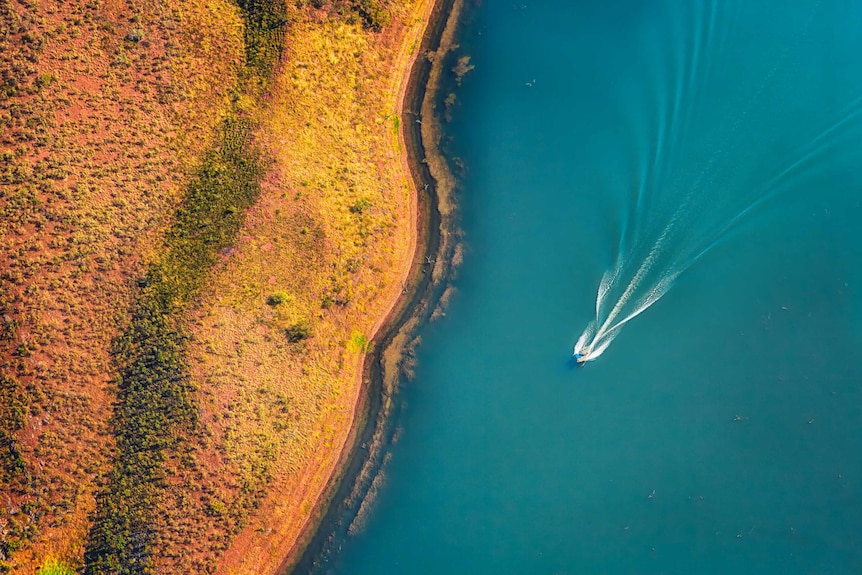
[
  {"x": 437, "y": 255},
  {"x": 326, "y": 247}
]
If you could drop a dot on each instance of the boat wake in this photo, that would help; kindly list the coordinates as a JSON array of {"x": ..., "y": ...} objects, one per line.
[{"x": 714, "y": 154}]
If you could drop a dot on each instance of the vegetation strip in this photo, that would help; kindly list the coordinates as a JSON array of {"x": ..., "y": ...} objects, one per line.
[
  {"x": 372, "y": 427},
  {"x": 156, "y": 409}
]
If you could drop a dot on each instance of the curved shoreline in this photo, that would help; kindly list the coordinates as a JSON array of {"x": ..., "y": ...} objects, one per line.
[{"x": 362, "y": 456}]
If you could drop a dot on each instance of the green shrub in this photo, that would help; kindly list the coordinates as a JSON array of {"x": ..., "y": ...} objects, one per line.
[
  {"x": 358, "y": 343},
  {"x": 45, "y": 79},
  {"x": 279, "y": 298},
  {"x": 360, "y": 206},
  {"x": 298, "y": 332},
  {"x": 216, "y": 508},
  {"x": 373, "y": 13},
  {"x": 53, "y": 566},
  {"x": 135, "y": 35}
]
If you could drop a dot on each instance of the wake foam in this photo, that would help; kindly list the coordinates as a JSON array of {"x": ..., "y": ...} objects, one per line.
[{"x": 694, "y": 184}]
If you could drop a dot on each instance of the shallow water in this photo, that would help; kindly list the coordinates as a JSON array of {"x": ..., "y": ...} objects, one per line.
[{"x": 718, "y": 433}]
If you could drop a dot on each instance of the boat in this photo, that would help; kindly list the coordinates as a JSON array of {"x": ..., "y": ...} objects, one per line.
[{"x": 582, "y": 355}]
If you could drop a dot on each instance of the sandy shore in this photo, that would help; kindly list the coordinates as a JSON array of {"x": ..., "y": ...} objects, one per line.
[{"x": 351, "y": 489}]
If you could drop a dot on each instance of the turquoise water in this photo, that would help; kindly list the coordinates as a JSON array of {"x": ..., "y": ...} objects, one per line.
[{"x": 708, "y": 151}]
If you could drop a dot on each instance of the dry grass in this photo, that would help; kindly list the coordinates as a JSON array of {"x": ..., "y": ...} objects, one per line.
[{"x": 105, "y": 107}]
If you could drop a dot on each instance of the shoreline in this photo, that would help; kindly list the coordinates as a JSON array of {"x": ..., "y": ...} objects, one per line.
[{"x": 353, "y": 481}]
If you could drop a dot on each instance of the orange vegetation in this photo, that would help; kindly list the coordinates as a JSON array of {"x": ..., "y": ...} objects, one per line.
[{"x": 104, "y": 109}]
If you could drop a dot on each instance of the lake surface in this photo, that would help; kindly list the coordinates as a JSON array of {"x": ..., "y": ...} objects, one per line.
[{"x": 705, "y": 159}]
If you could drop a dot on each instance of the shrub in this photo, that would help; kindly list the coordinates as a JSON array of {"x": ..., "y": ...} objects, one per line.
[
  {"x": 216, "y": 508},
  {"x": 135, "y": 35},
  {"x": 45, "y": 79},
  {"x": 298, "y": 332},
  {"x": 264, "y": 33},
  {"x": 55, "y": 567},
  {"x": 358, "y": 343},
  {"x": 360, "y": 206},
  {"x": 279, "y": 298},
  {"x": 373, "y": 14}
]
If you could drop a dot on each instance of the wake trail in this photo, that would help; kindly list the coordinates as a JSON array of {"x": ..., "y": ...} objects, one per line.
[
  {"x": 642, "y": 271},
  {"x": 777, "y": 184},
  {"x": 693, "y": 191}
]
